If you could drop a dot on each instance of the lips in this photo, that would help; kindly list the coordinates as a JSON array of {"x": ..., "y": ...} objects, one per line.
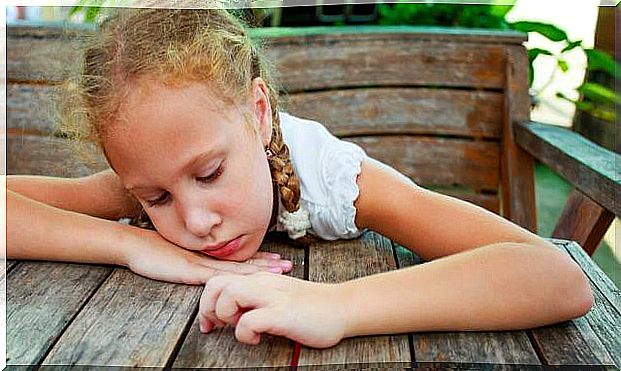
[{"x": 224, "y": 249}]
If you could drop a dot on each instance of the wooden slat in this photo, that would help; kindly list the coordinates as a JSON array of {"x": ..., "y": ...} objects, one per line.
[
  {"x": 42, "y": 298},
  {"x": 452, "y": 34},
  {"x": 29, "y": 109},
  {"x": 44, "y": 155},
  {"x": 511, "y": 347},
  {"x": 590, "y": 339},
  {"x": 130, "y": 321},
  {"x": 341, "y": 261},
  {"x": 438, "y": 161},
  {"x": 306, "y": 64},
  {"x": 605, "y": 317},
  {"x": 8, "y": 265},
  {"x": 42, "y": 54},
  {"x": 583, "y": 221},
  {"x": 517, "y": 171},
  {"x": 441, "y": 57},
  {"x": 220, "y": 348},
  {"x": 356, "y": 112},
  {"x": 590, "y": 168}
]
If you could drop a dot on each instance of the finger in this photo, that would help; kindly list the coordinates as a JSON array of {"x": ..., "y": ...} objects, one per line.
[
  {"x": 266, "y": 255},
  {"x": 252, "y": 324},
  {"x": 285, "y": 265},
  {"x": 227, "y": 307},
  {"x": 245, "y": 268},
  {"x": 232, "y": 267},
  {"x": 209, "y": 297},
  {"x": 205, "y": 325}
]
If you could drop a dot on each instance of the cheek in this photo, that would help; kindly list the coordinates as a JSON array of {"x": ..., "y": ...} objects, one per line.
[{"x": 166, "y": 225}]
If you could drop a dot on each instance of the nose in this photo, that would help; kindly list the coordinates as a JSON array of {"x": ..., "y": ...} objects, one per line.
[{"x": 199, "y": 220}]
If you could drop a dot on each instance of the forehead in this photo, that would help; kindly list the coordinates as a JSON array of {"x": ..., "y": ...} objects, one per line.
[{"x": 160, "y": 127}]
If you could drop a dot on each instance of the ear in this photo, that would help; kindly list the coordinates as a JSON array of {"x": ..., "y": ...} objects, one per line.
[{"x": 260, "y": 108}]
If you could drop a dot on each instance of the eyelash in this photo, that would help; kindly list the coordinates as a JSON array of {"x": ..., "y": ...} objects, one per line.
[{"x": 204, "y": 179}]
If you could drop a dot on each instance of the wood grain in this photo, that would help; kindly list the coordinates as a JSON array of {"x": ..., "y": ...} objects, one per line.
[
  {"x": 340, "y": 261},
  {"x": 378, "y": 111},
  {"x": 30, "y": 109},
  {"x": 220, "y": 348},
  {"x": 130, "y": 321},
  {"x": 423, "y": 56},
  {"x": 46, "y": 155},
  {"x": 430, "y": 161},
  {"x": 42, "y": 299},
  {"x": 605, "y": 317},
  {"x": 590, "y": 168},
  {"x": 508, "y": 347},
  {"x": 517, "y": 166},
  {"x": 329, "y": 63},
  {"x": 583, "y": 221}
]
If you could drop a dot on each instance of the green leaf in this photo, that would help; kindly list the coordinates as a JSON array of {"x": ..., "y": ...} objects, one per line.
[
  {"x": 563, "y": 65},
  {"x": 599, "y": 93},
  {"x": 599, "y": 60},
  {"x": 571, "y": 45},
  {"x": 550, "y": 31},
  {"x": 535, "y": 52}
]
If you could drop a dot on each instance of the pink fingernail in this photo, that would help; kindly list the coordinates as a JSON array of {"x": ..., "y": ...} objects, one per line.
[
  {"x": 286, "y": 264},
  {"x": 275, "y": 269}
]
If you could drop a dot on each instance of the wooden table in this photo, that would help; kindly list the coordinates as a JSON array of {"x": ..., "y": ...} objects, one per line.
[{"x": 69, "y": 314}]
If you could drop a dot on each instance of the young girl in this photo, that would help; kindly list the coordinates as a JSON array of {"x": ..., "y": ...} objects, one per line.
[{"x": 184, "y": 109}]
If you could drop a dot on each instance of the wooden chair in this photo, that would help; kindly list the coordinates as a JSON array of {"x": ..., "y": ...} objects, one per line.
[{"x": 447, "y": 107}]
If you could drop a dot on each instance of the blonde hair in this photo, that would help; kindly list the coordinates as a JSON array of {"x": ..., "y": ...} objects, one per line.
[{"x": 175, "y": 45}]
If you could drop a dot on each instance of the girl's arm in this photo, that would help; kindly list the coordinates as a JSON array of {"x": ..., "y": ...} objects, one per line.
[
  {"x": 486, "y": 273},
  {"x": 430, "y": 224},
  {"x": 38, "y": 231},
  {"x": 101, "y": 194}
]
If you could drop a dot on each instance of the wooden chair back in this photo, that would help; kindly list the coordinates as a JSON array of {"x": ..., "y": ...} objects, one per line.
[{"x": 436, "y": 104}]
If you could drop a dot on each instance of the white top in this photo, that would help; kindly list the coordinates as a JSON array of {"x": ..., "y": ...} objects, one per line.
[{"x": 327, "y": 168}]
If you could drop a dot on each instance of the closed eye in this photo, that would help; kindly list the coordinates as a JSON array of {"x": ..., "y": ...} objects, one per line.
[
  {"x": 213, "y": 176},
  {"x": 161, "y": 200}
]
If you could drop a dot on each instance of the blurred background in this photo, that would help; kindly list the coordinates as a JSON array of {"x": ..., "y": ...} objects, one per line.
[{"x": 571, "y": 47}]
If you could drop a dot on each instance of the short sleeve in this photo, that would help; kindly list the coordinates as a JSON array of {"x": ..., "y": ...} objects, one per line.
[{"x": 339, "y": 167}]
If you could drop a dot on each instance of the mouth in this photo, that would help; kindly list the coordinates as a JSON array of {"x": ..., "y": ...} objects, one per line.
[{"x": 223, "y": 249}]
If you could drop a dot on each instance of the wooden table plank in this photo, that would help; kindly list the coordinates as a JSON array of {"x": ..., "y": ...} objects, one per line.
[
  {"x": 593, "y": 339},
  {"x": 512, "y": 347},
  {"x": 42, "y": 299},
  {"x": 220, "y": 348},
  {"x": 338, "y": 261},
  {"x": 130, "y": 321}
]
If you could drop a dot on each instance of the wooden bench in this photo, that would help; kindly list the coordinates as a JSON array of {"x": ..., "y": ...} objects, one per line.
[
  {"x": 443, "y": 106},
  {"x": 438, "y": 105}
]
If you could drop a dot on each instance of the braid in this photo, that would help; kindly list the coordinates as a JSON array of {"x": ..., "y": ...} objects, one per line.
[{"x": 283, "y": 174}]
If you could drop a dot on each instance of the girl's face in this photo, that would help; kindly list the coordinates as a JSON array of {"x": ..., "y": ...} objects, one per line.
[{"x": 196, "y": 166}]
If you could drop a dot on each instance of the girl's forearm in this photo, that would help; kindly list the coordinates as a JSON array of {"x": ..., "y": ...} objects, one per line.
[
  {"x": 496, "y": 287},
  {"x": 100, "y": 194},
  {"x": 37, "y": 231}
]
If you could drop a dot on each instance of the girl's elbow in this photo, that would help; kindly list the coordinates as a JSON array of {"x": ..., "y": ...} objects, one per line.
[{"x": 576, "y": 289}]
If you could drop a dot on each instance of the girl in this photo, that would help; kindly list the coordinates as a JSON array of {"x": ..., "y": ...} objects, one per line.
[{"x": 183, "y": 107}]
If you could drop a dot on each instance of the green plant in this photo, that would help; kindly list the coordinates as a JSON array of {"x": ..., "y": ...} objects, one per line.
[
  {"x": 452, "y": 15},
  {"x": 597, "y": 100}
]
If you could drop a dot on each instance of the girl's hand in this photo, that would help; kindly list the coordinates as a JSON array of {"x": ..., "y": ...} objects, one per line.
[
  {"x": 303, "y": 311},
  {"x": 152, "y": 256}
]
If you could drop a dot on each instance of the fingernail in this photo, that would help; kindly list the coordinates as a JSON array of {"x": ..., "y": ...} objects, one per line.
[
  {"x": 202, "y": 327},
  {"x": 276, "y": 256},
  {"x": 275, "y": 269},
  {"x": 286, "y": 264}
]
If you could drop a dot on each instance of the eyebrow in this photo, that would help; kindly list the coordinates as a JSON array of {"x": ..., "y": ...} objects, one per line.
[{"x": 190, "y": 164}]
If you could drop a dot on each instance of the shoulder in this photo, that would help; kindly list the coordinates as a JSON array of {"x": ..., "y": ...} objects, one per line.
[{"x": 327, "y": 168}]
